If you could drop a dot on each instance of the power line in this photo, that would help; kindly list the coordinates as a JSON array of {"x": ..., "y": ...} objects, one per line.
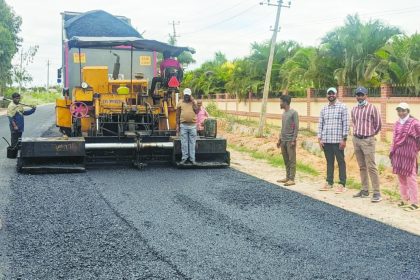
[
  {"x": 222, "y": 21},
  {"x": 216, "y": 13},
  {"x": 332, "y": 20},
  {"x": 313, "y": 22}
]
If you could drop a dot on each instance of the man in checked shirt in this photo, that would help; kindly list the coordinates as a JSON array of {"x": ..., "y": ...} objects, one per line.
[
  {"x": 333, "y": 129},
  {"x": 366, "y": 124}
]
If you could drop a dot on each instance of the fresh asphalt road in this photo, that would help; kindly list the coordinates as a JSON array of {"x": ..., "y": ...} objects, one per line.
[{"x": 164, "y": 223}]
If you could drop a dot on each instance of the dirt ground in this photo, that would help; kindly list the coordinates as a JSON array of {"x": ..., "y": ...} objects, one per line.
[{"x": 386, "y": 211}]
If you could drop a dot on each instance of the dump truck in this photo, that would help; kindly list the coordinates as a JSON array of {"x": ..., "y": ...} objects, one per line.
[{"x": 106, "y": 114}]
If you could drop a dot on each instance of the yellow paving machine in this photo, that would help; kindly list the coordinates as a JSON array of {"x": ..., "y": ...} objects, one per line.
[{"x": 106, "y": 118}]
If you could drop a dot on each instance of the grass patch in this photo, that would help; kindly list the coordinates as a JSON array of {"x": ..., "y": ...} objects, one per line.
[
  {"x": 381, "y": 168},
  {"x": 353, "y": 184},
  {"x": 393, "y": 194},
  {"x": 307, "y": 132},
  {"x": 232, "y": 120},
  {"x": 214, "y": 111},
  {"x": 276, "y": 160},
  {"x": 37, "y": 98}
]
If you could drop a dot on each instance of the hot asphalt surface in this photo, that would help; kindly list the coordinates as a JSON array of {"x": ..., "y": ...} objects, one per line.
[{"x": 164, "y": 223}]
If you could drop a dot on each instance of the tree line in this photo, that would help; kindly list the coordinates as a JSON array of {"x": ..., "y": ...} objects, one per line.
[
  {"x": 10, "y": 25},
  {"x": 357, "y": 53}
]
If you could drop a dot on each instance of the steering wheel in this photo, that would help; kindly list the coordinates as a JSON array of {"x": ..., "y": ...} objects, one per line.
[{"x": 79, "y": 110}]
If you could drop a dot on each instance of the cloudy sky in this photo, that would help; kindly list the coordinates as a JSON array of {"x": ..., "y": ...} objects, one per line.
[{"x": 229, "y": 26}]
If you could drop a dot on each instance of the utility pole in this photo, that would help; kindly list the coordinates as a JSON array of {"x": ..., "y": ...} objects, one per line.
[
  {"x": 48, "y": 75},
  {"x": 20, "y": 70},
  {"x": 261, "y": 125},
  {"x": 173, "y": 36}
]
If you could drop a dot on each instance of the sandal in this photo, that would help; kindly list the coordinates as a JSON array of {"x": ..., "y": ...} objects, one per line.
[
  {"x": 412, "y": 208},
  {"x": 326, "y": 187},
  {"x": 403, "y": 204}
]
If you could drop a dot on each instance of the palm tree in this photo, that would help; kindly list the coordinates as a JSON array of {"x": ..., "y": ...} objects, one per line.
[
  {"x": 259, "y": 58},
  {"x": 353, "y": 44},
  {"x": 211, "y": 77},
  {"x": 398, "y": 62}
]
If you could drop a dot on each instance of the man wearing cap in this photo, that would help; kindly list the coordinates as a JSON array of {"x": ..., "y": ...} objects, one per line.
[
  {"x": 333, "y": 129},
  {"x": 404, "y": 150},
  {"x": 15, "y": 113},
  {"x": 366, "y": 124},
  {"x": 186, "y": 118}
]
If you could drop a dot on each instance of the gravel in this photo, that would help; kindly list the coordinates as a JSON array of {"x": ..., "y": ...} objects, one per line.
[
  {"x": 164, "y": 223},
  {"x": 60, "y": 227}
]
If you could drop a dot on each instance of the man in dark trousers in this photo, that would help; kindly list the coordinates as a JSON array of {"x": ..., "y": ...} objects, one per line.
[
  {"x": 15, "y": 113},
  {"x": 333, "y": 129},
  {"x": 287, "y": 139}
]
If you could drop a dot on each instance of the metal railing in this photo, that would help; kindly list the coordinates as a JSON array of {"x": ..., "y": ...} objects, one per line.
[
  {"x": 405, "y": 91},
  {"x": 299, "y": 93},
  {"x": 320, "y": 92}
]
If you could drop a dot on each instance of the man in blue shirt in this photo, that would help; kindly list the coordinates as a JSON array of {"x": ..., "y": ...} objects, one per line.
[{"x": 15, "y": 113}]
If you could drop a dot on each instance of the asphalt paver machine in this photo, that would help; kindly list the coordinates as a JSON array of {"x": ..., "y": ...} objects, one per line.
[{"x": 109, "y": 119}]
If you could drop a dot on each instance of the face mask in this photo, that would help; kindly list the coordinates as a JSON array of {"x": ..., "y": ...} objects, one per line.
[{"x": 362, "y": 103}]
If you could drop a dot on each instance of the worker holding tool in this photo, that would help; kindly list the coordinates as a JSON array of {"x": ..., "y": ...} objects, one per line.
[
  {"x": 186, "y": 126},
  {"x": 15, "y": 113}
]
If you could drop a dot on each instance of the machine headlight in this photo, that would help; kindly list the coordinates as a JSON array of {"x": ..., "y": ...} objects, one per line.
[{"x": 84, "y": 85}]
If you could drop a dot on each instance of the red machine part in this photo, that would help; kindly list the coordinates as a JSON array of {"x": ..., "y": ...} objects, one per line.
[{"x": 79, "y": 110}]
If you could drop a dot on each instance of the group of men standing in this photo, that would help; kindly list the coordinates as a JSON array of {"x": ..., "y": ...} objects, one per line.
[{"x": 333, "y": 131}]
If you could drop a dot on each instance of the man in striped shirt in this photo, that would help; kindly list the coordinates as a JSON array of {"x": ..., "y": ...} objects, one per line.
[
  {"x": 366, "y": 124},
  {"x": 333, "y": 128}
]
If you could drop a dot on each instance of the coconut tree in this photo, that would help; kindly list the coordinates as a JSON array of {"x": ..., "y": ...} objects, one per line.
[
  {"x": 241, "y": 82},
  {"x": 211, "y": 77},
  {"x": 398, "y": 61},
  {"x": 353, "y": 44},
  {"x": 259, "y": 58}
]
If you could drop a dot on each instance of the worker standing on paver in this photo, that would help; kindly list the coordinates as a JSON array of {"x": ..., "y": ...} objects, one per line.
[
  {"x": 15, "y": 113},
  {"x": 202, "y": 115},
  {"x": 287, "y": 139},
  {"x": 404, "y": 150},
  {"x": 366, "y": 125},
  {"x": 333, "y": 129},
  {"x": 186, "y": 119}
]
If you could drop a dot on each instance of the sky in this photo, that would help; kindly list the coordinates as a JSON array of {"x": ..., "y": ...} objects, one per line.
[{"x": 229, "y": 26}]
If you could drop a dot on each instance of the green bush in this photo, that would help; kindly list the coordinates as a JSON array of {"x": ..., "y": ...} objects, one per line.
[
  {"x": 37, "y": 98},
  {"x": 4, "y": 103},
  {"x": 214, "y": 111}
]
